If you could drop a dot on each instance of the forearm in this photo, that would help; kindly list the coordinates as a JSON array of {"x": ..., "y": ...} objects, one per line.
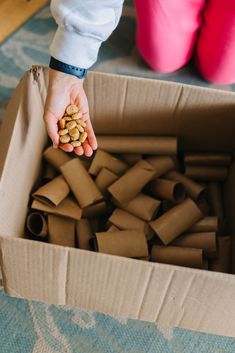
[{"x": 82, "y": 26}]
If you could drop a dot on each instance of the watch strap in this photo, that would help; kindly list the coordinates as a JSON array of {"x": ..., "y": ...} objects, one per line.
[{"x": 68, "y": 69}]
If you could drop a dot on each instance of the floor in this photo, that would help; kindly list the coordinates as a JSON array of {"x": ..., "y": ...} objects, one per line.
[{"x": 13, "y": 13}]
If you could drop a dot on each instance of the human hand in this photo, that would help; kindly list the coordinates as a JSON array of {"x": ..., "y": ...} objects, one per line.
[{"x": 65, "y": 89}]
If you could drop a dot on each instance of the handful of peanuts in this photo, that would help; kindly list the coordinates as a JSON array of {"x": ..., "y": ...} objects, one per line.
[{"x": 72, "y": 127}]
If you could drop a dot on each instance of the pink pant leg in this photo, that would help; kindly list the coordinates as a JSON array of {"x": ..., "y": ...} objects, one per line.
[
  {"x": 215, "y": 52},
  {"x": 167, "y": 30}
]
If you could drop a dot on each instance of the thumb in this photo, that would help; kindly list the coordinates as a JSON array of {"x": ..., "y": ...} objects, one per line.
[{"x": 52, "y": 128}]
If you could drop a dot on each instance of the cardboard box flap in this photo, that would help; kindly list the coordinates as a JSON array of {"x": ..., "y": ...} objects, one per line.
[
  {"x": 170, "y": 295},
  {"x": 20, "y": 161},
  {"x": 200, "y": 117}
]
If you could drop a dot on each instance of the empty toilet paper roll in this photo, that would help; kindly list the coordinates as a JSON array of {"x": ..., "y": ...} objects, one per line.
[
  {"x": 176, "y": 221},
  {"x": 84, "y": 233},
  {"x": 164, "y": 189},
  {"x": 53, "y": 192},
  {"x": 104, "y": 179},
  {"x": 86, "y": 162},
  {"x": 215, "y": 199},
  {"x": 142, "y": 206},
  {"x": 204, "y": 206},
  {"x": 124, "y": 220},
  {"x": 130, "y": 158},
  {"x": 223, "y": 263},
  {"x": 95, "y": 224},
  {"x": 129, "y": 243},
  {"x": 83, "y": 187},
  {"x": 193, "y": 189},
  {"x": 138, "y": 144},
  {"x": 162, "y": 165},
  {"x": 103, "y": 159},
  {"x": 204, "y": 241},
  {"x": 132, "y": 182},
  {"x": 67, "y": 208},
  {"x": 56, "y": 157},
  {"x": 206, "y": 173},
  {"x": 146, "y": 258},
  {"x": 61, "y": 231},
  {"x": 36, "y": 223},
  {"x": 174, "y": 255},
  {"x": 206, "y": 224},
  {"x": 167, "y": 205},
  {"x": 113, "y": 228},
  {"x": 96, "y": 210},
  {"x": 49, "y": 172},
  {"x": 213, "y": 159}
]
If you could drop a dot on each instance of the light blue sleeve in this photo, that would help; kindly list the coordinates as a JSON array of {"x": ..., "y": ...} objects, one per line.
[{"x": 82, "y": 26}]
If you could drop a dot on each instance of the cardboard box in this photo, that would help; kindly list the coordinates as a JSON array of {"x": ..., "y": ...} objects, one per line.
[{"x": 203, "y": 119}]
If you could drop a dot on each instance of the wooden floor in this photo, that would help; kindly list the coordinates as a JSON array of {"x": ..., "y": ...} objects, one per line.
[{"x": 13, "y": 13}]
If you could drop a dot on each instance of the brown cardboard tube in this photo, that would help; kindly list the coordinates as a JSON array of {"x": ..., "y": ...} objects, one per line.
[
  {"x": 173, "y": 191},
  {"x": 205, "y": 264},
  {"x": 113, "y": 228},
  {"x": 67, "y": 208},
  {"x": 142, "y": 206},
  {"x": 162, "y": 165},
  {"x": 49, "y": 172},
  {"x": 84, "y": 233},
  {"x": 206, "y": 224},
  {"x": 61, "y": 231},
  {"x": 104, "y": 179},
  {"x": 124, "y": 220},
  {"x": 56, "y": 157},
  {"x": 167, "y": 205},
  {"x": 36, "y": 223},
  {"x": 138, "y": 144},
  {"x": 204, "y": 241},
  {"x": 215, "y": 200},
  {"x": 193, "y": 189},
  {"x": 53, "y": 192},
  {"x": 214, "y": 159},
  {"x": 173, "y": 255},
  {"x": 223, "y": 263},
  {"x": 206, "y": 173},
  {"x": 86, "y": 162},
  {"x": 96, "y": 210},
  {"x": 176, "y": 221},
  {"x": 204, "y": 206},
  {"x": 130, "y": 158},
  {"x": 103, "y": 159},
  {"x": 132, "y": 182},
  {"x": 129, "y": 243},
  {"x": 83, "y": 187}
]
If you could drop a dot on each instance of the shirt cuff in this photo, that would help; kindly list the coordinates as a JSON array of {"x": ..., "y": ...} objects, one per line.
[{"x": 74, "y": 49}]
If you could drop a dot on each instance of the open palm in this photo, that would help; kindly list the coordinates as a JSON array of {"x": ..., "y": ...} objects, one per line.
[{"x": 63, "y": 90}]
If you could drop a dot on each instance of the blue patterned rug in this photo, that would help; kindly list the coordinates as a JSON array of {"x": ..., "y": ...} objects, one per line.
[
  {"x": 27, "y": 326},
  {"x": 33, "y": 327}
]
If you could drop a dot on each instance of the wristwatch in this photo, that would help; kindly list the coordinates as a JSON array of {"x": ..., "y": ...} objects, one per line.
[{"x": 68, "y": 69}]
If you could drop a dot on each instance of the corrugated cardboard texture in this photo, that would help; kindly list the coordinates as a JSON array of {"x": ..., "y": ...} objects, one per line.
[
  {"x": 21, "y": 159},
  {"x": 170, "y": 295},
  {"x": 203, "y": 119}
]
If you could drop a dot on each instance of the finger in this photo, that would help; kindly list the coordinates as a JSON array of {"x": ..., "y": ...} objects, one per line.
[
  {"x": 52, "y": 128},
  {"x": 66, "y": 147},
  {"x": 88, "y": 151},
  {"x": 86, "y": 117},
  {"x": 79, "y": 151},
  {"x": 91, "y": 135}
]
